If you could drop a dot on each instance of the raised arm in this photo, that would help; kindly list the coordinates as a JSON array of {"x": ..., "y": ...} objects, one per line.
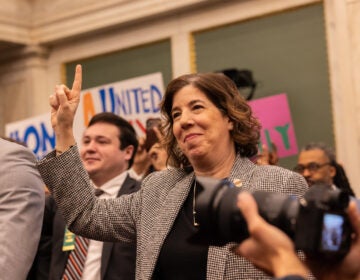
[
  {"x": 64, "y": 103},
  {"x": 70, "y": 185}
]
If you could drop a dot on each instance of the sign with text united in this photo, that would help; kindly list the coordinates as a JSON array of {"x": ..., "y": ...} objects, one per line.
[{"x": 134, "y": 99}]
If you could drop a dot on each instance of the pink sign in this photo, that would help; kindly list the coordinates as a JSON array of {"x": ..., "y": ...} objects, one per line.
[{"x": 274, "y": 115}]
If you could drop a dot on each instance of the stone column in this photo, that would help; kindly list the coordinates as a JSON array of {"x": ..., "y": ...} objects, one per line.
[
  {"x": 23, "y": 84},
  {"x": 343, "y": 39}
]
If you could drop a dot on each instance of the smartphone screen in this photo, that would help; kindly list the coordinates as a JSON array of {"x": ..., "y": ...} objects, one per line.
[{"x": 332, "y": 232}]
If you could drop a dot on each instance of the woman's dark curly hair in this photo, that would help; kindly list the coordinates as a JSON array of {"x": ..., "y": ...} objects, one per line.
[{"x": 224, "y": 94}]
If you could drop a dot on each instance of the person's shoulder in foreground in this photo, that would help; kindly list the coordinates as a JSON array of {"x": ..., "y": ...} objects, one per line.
[
  {"x": 22, "y": 200},
  {"x": 278, "y": 179}
]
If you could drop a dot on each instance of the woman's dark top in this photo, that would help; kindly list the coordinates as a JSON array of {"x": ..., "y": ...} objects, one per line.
[{"x": 179, "y": 259}]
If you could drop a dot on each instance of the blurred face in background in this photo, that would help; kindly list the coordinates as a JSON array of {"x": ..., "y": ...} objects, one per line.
[
  {"x": 316, "y": 167},
  {"x": 158, "y": 157}
]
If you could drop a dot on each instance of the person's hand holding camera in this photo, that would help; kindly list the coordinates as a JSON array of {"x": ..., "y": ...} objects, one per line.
[
  {"x": 268, "y": 247},
  {"x": 349, "y": 267},
  {"x": 271, "y": 250}
]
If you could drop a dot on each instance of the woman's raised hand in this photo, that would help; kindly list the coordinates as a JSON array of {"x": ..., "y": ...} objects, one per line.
[{"x": 64, "y": 102}]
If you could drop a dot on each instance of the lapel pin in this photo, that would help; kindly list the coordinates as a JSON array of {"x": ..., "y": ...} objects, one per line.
[{"x": 238, "y": 183}]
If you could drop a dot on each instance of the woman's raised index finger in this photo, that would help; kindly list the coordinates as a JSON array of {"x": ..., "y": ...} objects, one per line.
[{"x": 77, "y": 79}]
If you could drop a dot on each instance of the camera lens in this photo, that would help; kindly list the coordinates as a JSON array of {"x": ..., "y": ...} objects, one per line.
[{"x": 220, "y": 219}]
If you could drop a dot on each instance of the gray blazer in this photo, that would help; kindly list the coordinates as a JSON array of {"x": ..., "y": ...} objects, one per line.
[
  {"x": 148, "y": 215},
  {"x": 22, "y": 199}
]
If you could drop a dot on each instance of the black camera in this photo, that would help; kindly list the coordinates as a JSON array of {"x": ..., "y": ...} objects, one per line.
[{"x": 317, "y": 223}]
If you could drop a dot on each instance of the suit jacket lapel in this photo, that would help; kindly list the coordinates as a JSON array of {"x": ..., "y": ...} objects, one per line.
[
  {"x": 240, "y": 175},
  {"x": 127, "y": 187},
  {"x": 242, "y": 172}
]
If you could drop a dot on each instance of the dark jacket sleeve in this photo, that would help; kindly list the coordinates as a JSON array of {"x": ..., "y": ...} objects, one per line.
[{"x": 41, "y": 266}]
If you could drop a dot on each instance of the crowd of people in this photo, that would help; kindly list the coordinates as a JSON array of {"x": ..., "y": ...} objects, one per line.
[{"x": 109, "y": 215}]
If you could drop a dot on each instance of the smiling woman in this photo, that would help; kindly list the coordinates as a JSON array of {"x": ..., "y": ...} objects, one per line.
[
  {"x": 210, "y": 102},
  {"x": 199, "y": 127},
  {"x": 209, "y": 131}
]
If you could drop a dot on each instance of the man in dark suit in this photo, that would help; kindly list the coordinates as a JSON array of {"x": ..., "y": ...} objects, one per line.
[{"x": 107, "y": 152}]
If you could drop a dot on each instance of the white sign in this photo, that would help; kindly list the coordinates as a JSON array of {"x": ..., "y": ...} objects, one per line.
[{"x": 135, "y": 99}]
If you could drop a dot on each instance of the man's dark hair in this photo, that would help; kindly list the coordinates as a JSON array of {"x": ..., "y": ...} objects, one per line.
[
  {"x": 341, "y": 180},
  {"x": 127, "y": 134},
  {"x": 328, "y": 151}
]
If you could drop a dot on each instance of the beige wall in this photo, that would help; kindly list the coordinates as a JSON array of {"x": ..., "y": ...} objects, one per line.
[
  {"x": 343, "y": 36},
  {"x": 58, "y": 31}
]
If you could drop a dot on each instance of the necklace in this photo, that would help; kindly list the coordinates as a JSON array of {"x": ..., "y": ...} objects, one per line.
[{"x": 195, "y": 223}]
